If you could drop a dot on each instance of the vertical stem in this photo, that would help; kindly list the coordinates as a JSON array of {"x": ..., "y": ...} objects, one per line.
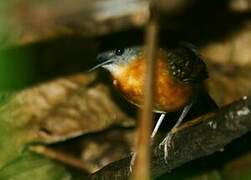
[{"x": 142, "y": 163}]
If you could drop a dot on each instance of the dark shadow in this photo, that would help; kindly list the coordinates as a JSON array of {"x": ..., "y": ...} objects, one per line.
[{"x": 201, "y": 23}]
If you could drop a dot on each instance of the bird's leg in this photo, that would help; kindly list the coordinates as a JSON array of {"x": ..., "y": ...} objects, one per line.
[
  {"x": 132, "y": 160},
  {"x": 167, "y": 140},
  {"x": 156, "y": 127},
  {"x": 155, "y": 130}
]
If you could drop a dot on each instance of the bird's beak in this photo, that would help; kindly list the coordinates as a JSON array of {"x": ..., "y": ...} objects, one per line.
[{"x": 101, "y": 64}]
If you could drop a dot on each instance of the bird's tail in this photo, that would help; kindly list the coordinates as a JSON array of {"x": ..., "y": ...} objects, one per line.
[{"x": 202, "y": 104}]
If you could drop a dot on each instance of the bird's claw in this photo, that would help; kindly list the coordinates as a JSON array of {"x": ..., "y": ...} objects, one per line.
[{"x": 167, "y": 144}]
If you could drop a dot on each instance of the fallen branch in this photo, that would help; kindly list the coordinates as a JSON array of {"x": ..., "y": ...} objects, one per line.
[
  {"x": 28, "y": 21},
  {"x": 24, "y": 22},
  {"x": 227, "y": 124}
]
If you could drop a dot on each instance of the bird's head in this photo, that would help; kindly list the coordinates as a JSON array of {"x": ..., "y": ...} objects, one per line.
[{"x": 114, "y": 60}]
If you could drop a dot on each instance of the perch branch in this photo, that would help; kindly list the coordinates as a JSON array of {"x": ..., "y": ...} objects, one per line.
[{"x": 216, "y": 131}]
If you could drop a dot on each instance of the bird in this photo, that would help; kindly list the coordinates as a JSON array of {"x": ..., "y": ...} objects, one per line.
[{"x": 179, "y": 81}]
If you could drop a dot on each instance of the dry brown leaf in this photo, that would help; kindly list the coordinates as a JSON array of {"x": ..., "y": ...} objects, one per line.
[{"x": 64, "y": 108}]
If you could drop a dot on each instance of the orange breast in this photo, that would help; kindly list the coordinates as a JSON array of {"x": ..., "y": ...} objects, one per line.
[{"x": 170, "y": 93}]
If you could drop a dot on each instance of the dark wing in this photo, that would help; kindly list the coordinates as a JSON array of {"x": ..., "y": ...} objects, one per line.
[{"x": 186, "y": 64}]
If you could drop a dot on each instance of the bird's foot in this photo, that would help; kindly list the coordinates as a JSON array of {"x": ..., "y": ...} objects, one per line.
[{"x": 166, "y": 144}]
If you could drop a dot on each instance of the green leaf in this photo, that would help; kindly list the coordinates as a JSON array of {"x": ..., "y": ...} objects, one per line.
[{"x": 30, "y": 166}]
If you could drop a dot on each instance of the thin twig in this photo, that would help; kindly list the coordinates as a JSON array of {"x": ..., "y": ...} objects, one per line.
[
  {"x": 142, "y": 163},
  {"x": 59, "y": 156}
]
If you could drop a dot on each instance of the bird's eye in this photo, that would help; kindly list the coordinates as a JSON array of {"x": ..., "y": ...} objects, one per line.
[{"x": 119, "y": 52}]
